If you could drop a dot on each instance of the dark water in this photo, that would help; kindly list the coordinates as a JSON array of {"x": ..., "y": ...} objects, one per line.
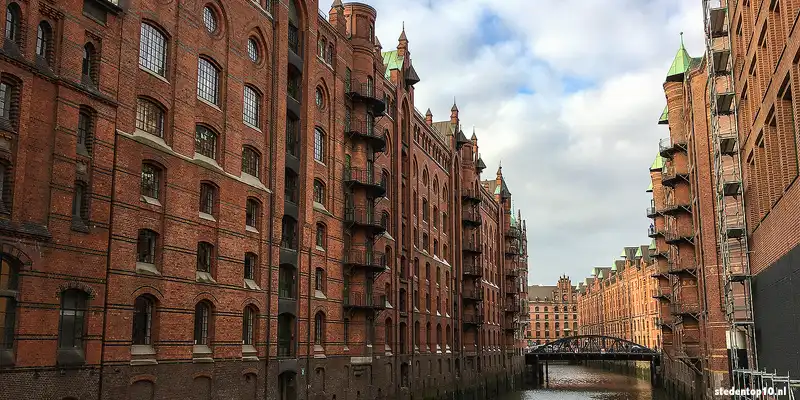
[{"x": 575, "y": 382}]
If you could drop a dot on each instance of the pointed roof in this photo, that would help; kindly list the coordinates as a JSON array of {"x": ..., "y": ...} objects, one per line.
[
  {"x": 664, "y": 116},
  {"x": 411, "y": 75},
  {"x": 403, "y": 33},
  {"x": 474, "y": 136},
  {"x": 658, "y": 163},
  {"x": 428, "y": 112},
  {"x": 652, "y": 244},
  {"x": 650, "y": 188},
  {"x": 638, "y": 252},
  {"x": 454, "y": 107},
  {"x": 679, "y": 65},
  {"x": 480, "y": 165},
  {"x": 337, "y": 3},
  {"x": 461, "y": 139}
]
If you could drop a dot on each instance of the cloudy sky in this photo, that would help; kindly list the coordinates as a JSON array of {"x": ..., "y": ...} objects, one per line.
[{"x": 567, "y": 94}]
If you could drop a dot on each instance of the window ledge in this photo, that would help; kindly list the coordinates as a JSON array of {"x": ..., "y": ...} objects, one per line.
[
  {"x": 207, "y": 160},
  {"x": 387, "y": 350},
  {"x": 319, "y": 351},
  {"x": 322, "y": 164},
  {"x": 208, "y": 103},
  {"x": 251, "y": 284},
  {"x": 154, "y": 74},
  {"x": 151, "y": 201},
  {"x": 320, "y": 248},
  {"x": 318, "y": 294},
  {"x": 147, "y": 269},
  {"x": 79, "y": 225},
  {"x": 204, "y": 277},
  {"x": 252, "y": 181},
  {"x": 249, "y": 353},
  {"x": 250, "y": 229},
  {"x": 251, "y": 126},
  {"x": 321, "y": 208},
  {"x": 154, "y": 139},
  {"x": 70, "y": 357},
  {"x": 208, "y": 217}
]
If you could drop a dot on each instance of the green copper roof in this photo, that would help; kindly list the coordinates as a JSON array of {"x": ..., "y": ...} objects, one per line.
[
  {"x": 664, "y": 116},
  {"x": 614, "y": 265},
  {"x": 650, "y": 188},
  {"x": 658, "y": 163},
  {"x": 392, "y": 61},
  {"x": 623, "y": 255},
  {"x": 652, "y": 245},
  {"x": 681, "y": 62},
  {"x": 639, "y": 252}
]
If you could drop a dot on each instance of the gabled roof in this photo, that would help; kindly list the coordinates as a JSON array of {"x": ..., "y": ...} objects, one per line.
[
  {"x": 392, "y": 61},
  {"x": 630, "y": 252},
  {"x": 664, "y": 116},
  {"x": 544, "y": 293}
]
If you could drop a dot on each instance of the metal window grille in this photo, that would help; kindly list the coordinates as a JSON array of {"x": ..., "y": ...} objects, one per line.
[
  {"x": 293, "y": 85},
  {"x": 84, "y": 132},
  {"x": 149, "y": 118},
  {"x": 286, "y": 283},
  {"x": 42, "y": 39},
  {"x": 319, "y": 192},
  {"x": 12, "y": 23},
  {"x": 72, "y": 319},
  {"x": 250, "y": 162},
  {"x": 252, "y": 49},
  {"x": 142, "y": 321},
  {"x": 251, "y": 213},
  {"x": 252, "y": 107},
  {"x": 320, "y": 236},
  {"x": 201, "y": 317},
  {"x": 292, "y": 131},
  {"x": 147, "y": 246},
  {"x": 204, "y": 254},
  {"x": 150, "y": 181},
  {"x": 290, "y": 187},
  {"x": 5, "y": 101},
  {"x": 207, "y": 198},
  {"x": 207, "y": 81},
  {"x": 319, "y": 328},
  {"x": 294, "y": 39},
  {"x": 319, "y": 279},
  {"x": 209, "y": 19},
  {"x": 250, "y": 266},
  {"x": 153, "y": 50},
  {"x": 288, "y": 234},
  {"x": 248, "y": 326},
  {"x": 206, "y": 142}
]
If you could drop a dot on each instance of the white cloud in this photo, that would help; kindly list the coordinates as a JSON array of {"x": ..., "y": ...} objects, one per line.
[{"x": 576, "y": 163}]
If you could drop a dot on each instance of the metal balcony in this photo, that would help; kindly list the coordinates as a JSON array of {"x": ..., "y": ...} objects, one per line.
[
  {"x": 471, "y": 217},
  {"x": 510, "y": 326},
  {"x": 512, "y": 248},
  {"x": 366, "y": 93},
  {"x": 660, "y": 269},
  {"x": 472, "y": 268},
  {"x": 470, "y": 246},
  {"x": 678, "y": 268},
  {"x": 670, "y": 175},
  {"x": 513, "y": 307},
  {"x": 664, "y": 323},
  {"x": 369, "y": 132},
  {"x": 364, "y": 257},
  {"x": 473, "y": 294},
  {"x": 652, "y": 211},
  {"x": 676, "y": 206},
  {"x": 669, "y": 146},
  {"x": 690, "y": 309},
  {"x": 727, "y": 143},
  {"x": 672, "y": 236},
  {"x": 364, "y": 218},
  {"x": 512, "y": 272},
  {"x": 716, "y": 24},
  {"x": 367, "y": 179},
  {"x": 475, "y": 320},
  {"x": 471, "y": 195},
  {"x": 653, "y": 231},
  {"x": 360, "y": 301},
  {"x": 513, "y": 232},
  {"x": 662, "y": 293}
]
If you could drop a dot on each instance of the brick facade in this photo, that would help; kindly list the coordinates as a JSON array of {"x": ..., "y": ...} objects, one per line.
[
  {"x": 554, "y": 312},
  {"x": 240, "y": 200}
]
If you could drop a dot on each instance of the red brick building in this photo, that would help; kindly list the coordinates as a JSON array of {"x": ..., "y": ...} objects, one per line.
[
  {"x": 240, "y": 200},
  {"x": 553, "y": 312}
]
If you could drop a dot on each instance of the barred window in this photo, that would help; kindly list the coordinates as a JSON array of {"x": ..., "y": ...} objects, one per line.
[
  {"x": 251, "y": 161},
  {"x": 320, "y": 236},
  {"x": 207, "y": 81},
  {"x": 251, "y": 213},
  {"x": 204, "y": 255},
  {"x": 319, "y": 145},
  {"x": 250, "y": 264},
  {"x": 13, "y": 23},
  {"x": 80, "y": 206},
  {"x": 6, "y": 187},
  {"x": 9, "y": 282},
  {"x": 88, "y": 66},
  {"x": 84, "y": 132},
  {"x": 5, "y": 100},
  {"x": 151, "y": 181},
  {"x": 319, "y": 279},
  {"x": 202, "y": 315},
  {"x": 207, "y": 198},
  {"x": 252, "y": 49},
  {"x": 146, "y": 246},
  {"x": 319, "y": 192},
  {"x": 149, "y": 117},
  {"x": 153, "y": 50},
  {"x": 205, "y": 142},
  {"x": 319, "y": 98},
  {"x": 252, "y": 107},
  {"x": 72, "y": 322},
  {"x": 209, "y": 19},
  {"x": 44, "y": 35},
  {"x": 319, "y": 328},
  {"x": 142, "y": 320},
  {"x": 248, "y": 325}
]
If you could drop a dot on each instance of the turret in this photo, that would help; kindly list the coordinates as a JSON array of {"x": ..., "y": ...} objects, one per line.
[
  {"x": 402, "y": 42},
  {"x": 429, "y": 117},
  {"x": 336, "y": 17}
]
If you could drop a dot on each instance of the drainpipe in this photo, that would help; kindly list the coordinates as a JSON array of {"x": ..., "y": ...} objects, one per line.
[
  {"x": 272, "y": 184},
  {"x": 309, "y": 346}
]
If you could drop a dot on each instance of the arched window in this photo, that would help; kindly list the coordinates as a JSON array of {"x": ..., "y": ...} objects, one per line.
[
  {"x": 321, "y": 235},
  {"x": 207, "y": 81},
  {"x": 202, "y": 322},
  {"x": 385, "y": 220},
  {"x": 205, "y": 257},
  {"x": 72, "y": 321},
  {"x": 208, "y": 198},
  {"x": 252, "y": 213},
  {"x": 250, "y": 266},
  {"x": 80, "y": 204},
  {"x": 153, "y": 50},
  {"x": 319, "y": 145},
  {"x": 44, "y": 41},
  {"x": 89, "y": 64},
  {"x": 319, "y": 279},
  {"x": 151, "y": 181},
  {"x": 143, "y": 308},
  {"x": 249, "y": 325},
  {"x": 329, "y": 54},
  {"x": 251, "y": 161},
  {"x": 319, "y": 328},
  {"x": 9, "y": 284},
  {"x": 205, "y": 142},
  {"x": 210, "y": 19},
  {"x": 319, "y": 192},
  {"x": 289, "y": 233},
  {"x": 251, "y": 109},
  {"x": 149, "y": 117},
  {"x": 253, "y": 50},
  {"x": 322, "y": 44},
  {"x": 287, "y": 276},
  {"x": 386, "y": 180},
  {"x": 13, "y": 23}
]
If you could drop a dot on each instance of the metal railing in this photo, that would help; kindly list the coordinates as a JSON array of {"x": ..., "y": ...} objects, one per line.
[
  {"x": 364, "y": 256},
  {"x": 363, "y": 216},
  {"x": 471, "y": 194},
  {"x": 364, "y": 176},
  {"x": 471, "y": 215}
]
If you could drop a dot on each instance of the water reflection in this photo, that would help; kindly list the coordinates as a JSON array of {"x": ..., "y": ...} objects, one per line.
[{"x": 574, "y": 382}]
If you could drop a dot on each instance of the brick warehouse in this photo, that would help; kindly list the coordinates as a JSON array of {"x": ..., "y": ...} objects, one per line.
[
  {"x": 620, "y": 301},
  {"x": 179, "y": 218},
  {"x": 553, "y": 312}
]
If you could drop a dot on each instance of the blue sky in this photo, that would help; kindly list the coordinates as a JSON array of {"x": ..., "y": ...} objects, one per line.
[{"x": 567, "y": 94}]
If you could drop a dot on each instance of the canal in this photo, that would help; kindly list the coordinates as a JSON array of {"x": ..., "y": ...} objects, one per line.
[{"x": 576, "y": 382}]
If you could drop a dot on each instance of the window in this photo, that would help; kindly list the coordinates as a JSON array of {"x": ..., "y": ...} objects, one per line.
[
  {"x": 151, "y": 181},
  {"x": 294, "y": 84},
  {"x": 149, "y": 117},
  {"x": 319, "y": 145},
  {"x": 251, "y": 161},
  {"x": 252, "y": 209},
  {"x": 142, "y": 320},
  {"x": 290, "y": 186},
  {"x": 205, "y": 252},
  {"x": 292, "y": 135},
  {"x": 6, "y": 187},
  {"x": 319, "y": 279},
  {"x": 85, "y": 128},
  {"x": 88, "y": 66},
  {"x": 319, "y": 328},
  {"x": 13, "y": 27},
  {"x": 209, "y": 19},
  {"x": 252, "y": 107},
  {"x": 146, "y": 246},
  {"x": 9, "y": 283},
  {"x": 205, "y": 142},
  {"x": 80, "y": 206},
  {"x": 320, "y": 236},
  {"x": 250, "y": 265},
  {"x": 289, "y": 233},
  {"x": 319, "y": 192},
  {"x": 72, "y": 319},
  {"x": 6, "y": 90},
  {"x": 385, "y": 220},
  {"x": 207, "y": 81},
  {"x": 425, "y": 210},
  {"x": 44, "y": 39},
  {"x": 286, "y": 282},
  {"x": 319, "y": 97},
  {"x": 153, "y": 50},
  {"x": 386, "y": 183},
  {"x": 202, "y": 318},
  {"x": 329, "y": 54},
  {"x": 321, "y": 45},
  {"x": 207, "y": 198},
  {"x": 252, "y": 50},
  {"x": 249, "y": 325}
]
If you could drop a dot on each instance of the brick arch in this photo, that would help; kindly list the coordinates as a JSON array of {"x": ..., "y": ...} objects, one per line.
[
  {"x": 256, "y": 31},
  {"x": 209, "y": 122},
  {"x": 17, "y": 253},
  {"x": 76, "y": 285},
  {"x": 156, "y": 157},
  {"x": 147, "y": 289},
  {"x": 143, "y": 377},
  {"x": 205, "y": 296},
  {"x": 223, "y": 17},
  {"x": 251, "y": 301}
]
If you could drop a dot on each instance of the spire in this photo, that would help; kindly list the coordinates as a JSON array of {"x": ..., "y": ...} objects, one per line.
[
  {"x": 337, "y": 3},
  {"x": 429, "y": 117},
  {"x": 403, "y": 37},
  {"x": 474, "y": 136},
  {"x": 679, "y": 65},
  {"x": 455, "y": 107},
  {"x": 500, "y": 169}
]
